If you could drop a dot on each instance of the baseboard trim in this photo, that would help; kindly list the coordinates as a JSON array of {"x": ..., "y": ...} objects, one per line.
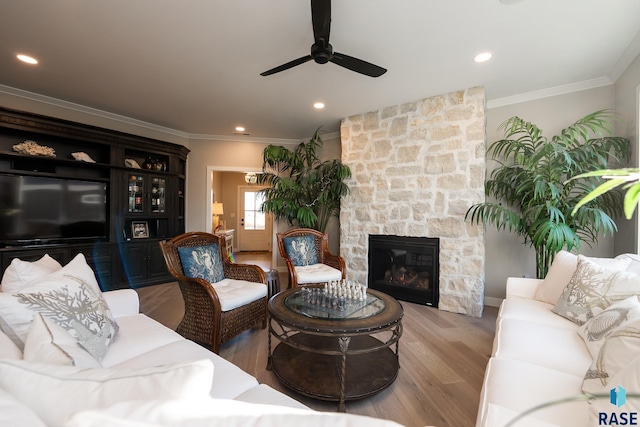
[{"x": 492, "y": 302}]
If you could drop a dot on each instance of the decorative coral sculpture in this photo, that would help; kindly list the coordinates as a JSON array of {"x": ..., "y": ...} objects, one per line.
[{"x": 34, "y": 149}]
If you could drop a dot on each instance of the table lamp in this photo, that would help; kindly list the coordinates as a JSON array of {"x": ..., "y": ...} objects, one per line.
[{"x": 216, "y": 210}]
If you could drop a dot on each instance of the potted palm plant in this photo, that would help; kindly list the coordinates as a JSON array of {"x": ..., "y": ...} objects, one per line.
[
  {"x": 301, "y": 189},
  {"x": 539, "y": 181}
]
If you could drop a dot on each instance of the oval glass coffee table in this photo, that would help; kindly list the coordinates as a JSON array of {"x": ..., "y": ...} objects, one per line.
[{"x": 335, "y": 354}]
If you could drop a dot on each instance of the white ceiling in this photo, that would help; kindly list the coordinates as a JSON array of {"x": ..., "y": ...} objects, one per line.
[{"x": 193, "y": 65}]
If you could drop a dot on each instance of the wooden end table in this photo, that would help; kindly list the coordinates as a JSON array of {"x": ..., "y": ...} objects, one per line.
[{"x": 333, "y": 355}]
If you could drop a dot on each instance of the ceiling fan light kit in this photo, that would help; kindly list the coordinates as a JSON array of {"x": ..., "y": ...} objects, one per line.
[{"x": 322, "y": 51}]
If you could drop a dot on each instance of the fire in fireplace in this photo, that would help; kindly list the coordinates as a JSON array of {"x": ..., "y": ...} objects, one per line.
[{"x": 406, "y": 268}]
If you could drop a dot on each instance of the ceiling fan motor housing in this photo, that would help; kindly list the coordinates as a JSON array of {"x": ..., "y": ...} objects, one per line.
[{"x": 321, "y": 54}]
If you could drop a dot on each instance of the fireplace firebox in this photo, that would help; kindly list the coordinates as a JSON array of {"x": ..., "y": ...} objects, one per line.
[{"x": 404, "y": 267}]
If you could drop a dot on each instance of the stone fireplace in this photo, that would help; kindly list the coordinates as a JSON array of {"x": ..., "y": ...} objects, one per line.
[{"x": 417, "y": 167}]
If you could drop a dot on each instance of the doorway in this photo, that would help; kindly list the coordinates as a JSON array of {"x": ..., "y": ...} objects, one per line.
[{"x": 227, "y": 186}]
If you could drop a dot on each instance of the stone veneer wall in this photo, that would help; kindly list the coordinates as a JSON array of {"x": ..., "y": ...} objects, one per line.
[{"x": 417, "y": 167}]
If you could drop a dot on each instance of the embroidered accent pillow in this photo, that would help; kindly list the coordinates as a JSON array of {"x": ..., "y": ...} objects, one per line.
[
  {"x": 595, "y": 331},
  {"x": 71, "y": 298},
  {"x": 563, "y": 267},
  {"x": 301, "y": 250},
  {"x": 592, "y": 289},
  {"x": 202, "y": 262},
  {"x": 49, "y": 343},
  {"x": 619, "y": 350}
]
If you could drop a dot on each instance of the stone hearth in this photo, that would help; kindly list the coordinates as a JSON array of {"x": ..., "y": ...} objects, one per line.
[{"x": 417, "y": 167}]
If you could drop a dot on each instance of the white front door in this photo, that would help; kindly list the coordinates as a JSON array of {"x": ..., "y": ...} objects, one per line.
[{"x": 254, "y": 231}]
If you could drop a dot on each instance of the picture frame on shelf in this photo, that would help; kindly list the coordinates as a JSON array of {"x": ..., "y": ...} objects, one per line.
[{"x": 140, "y": 229}]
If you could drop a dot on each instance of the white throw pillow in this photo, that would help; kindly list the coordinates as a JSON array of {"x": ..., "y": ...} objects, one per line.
[
  {"x": 562, "y": 269},
  {"x": 209, "y": 412},
  {"x": 596, "y": 330},
  {"x": 55, "y": 393},
  {"x": 50, "y": 343},
  {"x": 70, "y": 297},
  {"x": 592, "y": 289},
  {"x": 8, "y": 349},
  {"x": 20, "y": 273}
]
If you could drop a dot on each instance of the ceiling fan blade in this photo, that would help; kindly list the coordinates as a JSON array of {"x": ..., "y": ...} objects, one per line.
[
  {"x": 288, "y": 65},
  {"x": 321, "y": 18},
  {"x": 357, "y": 65}
]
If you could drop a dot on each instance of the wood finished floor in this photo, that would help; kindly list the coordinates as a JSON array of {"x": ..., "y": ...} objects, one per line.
[{"x": 442, "y": 359}]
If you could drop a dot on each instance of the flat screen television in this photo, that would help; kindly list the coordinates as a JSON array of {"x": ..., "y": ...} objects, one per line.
[{"x": 37, "y": 210}]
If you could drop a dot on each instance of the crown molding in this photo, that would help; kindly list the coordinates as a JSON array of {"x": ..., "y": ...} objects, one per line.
[
  {"x": 32, "y": 96},
  {"x": 43, "y": 99},
  {"x": 552, "y": 91}
]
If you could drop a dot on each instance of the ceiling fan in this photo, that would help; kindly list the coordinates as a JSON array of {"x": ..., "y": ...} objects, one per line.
[{"x": 322, "y": 52}]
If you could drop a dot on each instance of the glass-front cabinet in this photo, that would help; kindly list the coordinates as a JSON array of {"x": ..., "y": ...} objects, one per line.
[
  {"x": 158, "y": 192},
  {"x": 147, "y": 194},
  {"x": 136, "y": 193}
]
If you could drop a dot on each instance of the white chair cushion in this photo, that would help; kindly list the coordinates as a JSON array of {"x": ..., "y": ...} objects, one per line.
[
  {"x": 235, "y": 293},
  {"x": 317, "y": 273}
]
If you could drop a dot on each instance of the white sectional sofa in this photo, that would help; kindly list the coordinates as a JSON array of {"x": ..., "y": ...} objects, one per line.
[
  {"x": 148, "y": 376},
  {"x": 540, "y": 357}
]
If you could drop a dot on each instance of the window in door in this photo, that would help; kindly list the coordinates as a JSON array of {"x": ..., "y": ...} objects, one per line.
[{"x": 254, "y": 218}]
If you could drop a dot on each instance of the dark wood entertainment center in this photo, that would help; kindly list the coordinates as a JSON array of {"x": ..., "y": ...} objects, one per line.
[{"x": 149, "y": 199}]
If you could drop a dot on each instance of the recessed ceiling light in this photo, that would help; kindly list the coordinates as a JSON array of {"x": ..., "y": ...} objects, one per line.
[
  {"x": 239, "y": 128},
  {"x": 26, "y": 58},
  {"x": 318, "y": 105},
  {"x": 482, "y": 57}
]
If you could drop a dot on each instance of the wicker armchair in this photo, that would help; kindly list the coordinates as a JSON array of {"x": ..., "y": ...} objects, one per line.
[
  {"x": 321, "y": 243},
  {"x": 204, "y": 321}
]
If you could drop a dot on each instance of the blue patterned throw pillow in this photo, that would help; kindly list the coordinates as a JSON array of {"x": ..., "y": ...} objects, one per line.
[
  {"x": 202, "y": 262},
  {"x": 301, "y": 250}
]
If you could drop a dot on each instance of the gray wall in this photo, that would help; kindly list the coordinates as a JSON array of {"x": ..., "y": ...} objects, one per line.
[{"x": 628, "y": 106}]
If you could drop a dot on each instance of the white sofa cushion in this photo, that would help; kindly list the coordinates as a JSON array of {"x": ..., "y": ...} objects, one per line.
[
  {"x": 235, "y": 293},
  {"x": 49, "y": 343},
  {"x": 138, "y": 335},
  {"x": 68, "y": 390},
  {"x": 593, "y": 288},
  {"x": 264, "y": 394},
  {"x": 229, "y": 381},
  {"x": 15, "y": 413},
  {"x": 595, "y": 331},
  {"x": 216, "y": 413},
  {"x": 521, "y": 386},
  {"x": 72, "y": 298},
  {"x": 317, "y": 273},
  {"x": 533, "y": 311},
  {"x": 562, "y": 269},
  {"x": 20, "y": 273},
  {"x": 562, "y": 348}
]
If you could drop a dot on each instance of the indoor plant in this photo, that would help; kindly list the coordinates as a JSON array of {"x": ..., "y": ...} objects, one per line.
[
  {"x": 534, "y": 190},
  {"x": 301, "y": 189}
]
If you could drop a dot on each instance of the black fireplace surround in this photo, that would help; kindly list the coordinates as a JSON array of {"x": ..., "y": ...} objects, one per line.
[{"x": 406, "y": 268}]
